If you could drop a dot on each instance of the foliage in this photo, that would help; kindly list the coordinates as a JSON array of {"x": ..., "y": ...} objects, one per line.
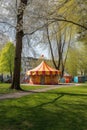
[
  {"x": 7, "y": 58},
  {"x": 77, "y": 61},
  {"x": 72, "y": 62},
  {"x": 61, "y": 32},
  {"x": 30, "y": 16},
  {"x": 60, "y": 109},
  {"x": 83, "y": 59},
  {"x": 82, "y": 33}
]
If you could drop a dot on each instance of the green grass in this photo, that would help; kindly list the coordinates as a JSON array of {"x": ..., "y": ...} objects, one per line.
[
  {"x": 32, "y": 87},
  {"x": 4, "y": 88},
  {"x": 60, "y": 109}
]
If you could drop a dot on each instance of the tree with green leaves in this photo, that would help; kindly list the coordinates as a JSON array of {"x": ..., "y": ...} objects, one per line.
[
  {"x": 7, "y": 59},
  {"x": 77, "y": 60},
  {"x": 82, "y": 59},
  {"x": 31, "y": 16},
  {"x": 59, "y": 40},
  {"x": 72, "y": 62}
]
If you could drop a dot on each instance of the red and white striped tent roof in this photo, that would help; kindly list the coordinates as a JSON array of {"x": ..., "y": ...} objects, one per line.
[{"x": 43, "y": 69}]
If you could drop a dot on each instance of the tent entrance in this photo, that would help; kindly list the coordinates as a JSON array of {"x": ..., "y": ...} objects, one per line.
[{"x": 42, "y": 81}]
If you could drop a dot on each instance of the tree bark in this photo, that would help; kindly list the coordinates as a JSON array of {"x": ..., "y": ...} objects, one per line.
[
  {"x": 19, "y": 37},
  {"x": 53, "y": 60}
]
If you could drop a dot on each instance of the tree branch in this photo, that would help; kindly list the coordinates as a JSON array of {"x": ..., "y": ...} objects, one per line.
[{"x": 69, "y": 21}]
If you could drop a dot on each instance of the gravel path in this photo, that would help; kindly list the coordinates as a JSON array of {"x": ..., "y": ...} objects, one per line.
[{"x": 23, "y": 93}]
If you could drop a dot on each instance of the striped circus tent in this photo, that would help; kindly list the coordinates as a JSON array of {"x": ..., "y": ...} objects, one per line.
[{"x": 43, "y": 74}]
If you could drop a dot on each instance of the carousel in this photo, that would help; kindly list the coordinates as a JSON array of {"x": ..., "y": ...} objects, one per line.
[{"x": 43, "y": 74}]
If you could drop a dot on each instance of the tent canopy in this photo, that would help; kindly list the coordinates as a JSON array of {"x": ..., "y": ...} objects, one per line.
[{"x": 43, "y": 69}]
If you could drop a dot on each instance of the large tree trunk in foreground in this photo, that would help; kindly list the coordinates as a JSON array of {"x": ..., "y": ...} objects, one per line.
[
  {"x": 17, "y": 62},
  {"x": 19, "y": 37}
]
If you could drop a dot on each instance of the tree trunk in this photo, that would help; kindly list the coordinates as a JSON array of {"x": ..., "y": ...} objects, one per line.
[
  {"x": 62, "y": 70},
  {"x": 11, "y": 74},
  {"x": 53, "y": 60},
  {"x": 17, "y": 62},
  {"x": 19, "y": 37}
]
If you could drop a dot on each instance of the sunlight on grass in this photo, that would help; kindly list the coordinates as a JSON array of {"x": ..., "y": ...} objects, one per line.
[
  {"x": 5, "y": 88},
  {"x": 60, "y": 109}
]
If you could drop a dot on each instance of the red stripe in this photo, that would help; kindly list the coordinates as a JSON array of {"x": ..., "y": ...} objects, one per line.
[
  {"x": 36, "y": 72},
  {"x": 50, "y": 72},
  {"x": 43, "y": 72}
]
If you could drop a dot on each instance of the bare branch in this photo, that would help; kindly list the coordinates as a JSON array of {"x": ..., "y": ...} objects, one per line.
[{"x": 69, "y": 21}]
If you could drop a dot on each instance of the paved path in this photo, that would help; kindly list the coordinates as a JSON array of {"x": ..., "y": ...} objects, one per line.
[{"x": 23, "y": 93}]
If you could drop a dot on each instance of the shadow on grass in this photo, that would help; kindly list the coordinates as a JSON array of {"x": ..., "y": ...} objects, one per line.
[
  {"x": 68, "y": 94},
  {"x": 50, "y": 112},
  {"x": 51, "y": 102},
  {"x": 53, "y": 114},
  {"x": 60, "y": 95},
  {"x": 61, "y": 117}
]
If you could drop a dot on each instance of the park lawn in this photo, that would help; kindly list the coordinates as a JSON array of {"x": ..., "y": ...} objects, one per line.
[
  {"x": 33, "y": 87},
  {"x": 4, "y": 88},
  {"x": 60, "y": 109}
]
